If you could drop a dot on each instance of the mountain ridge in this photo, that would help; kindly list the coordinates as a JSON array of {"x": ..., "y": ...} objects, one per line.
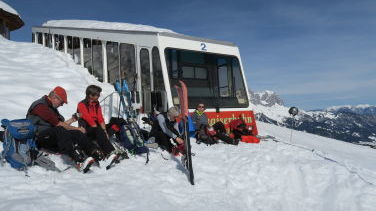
[{"x": 354, "y": 124}]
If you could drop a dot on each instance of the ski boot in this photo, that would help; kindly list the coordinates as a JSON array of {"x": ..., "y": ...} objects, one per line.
[
  {"x": 85, "y": 165},
  {"x": 112, "y": 159}
]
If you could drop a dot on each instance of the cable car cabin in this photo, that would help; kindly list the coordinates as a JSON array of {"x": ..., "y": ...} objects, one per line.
[{"x": 152, "y": 60}]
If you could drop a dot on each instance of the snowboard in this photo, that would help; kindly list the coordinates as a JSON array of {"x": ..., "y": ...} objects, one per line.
[{"x": 187, "y": 156}]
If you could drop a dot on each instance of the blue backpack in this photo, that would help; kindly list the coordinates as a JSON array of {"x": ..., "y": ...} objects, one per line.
[{"x": 19, "y": 148}]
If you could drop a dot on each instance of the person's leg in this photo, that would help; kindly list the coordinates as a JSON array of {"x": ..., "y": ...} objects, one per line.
[
  {"x": 219, "y": 127},
  {"x": 58, "y": 140},
  {"x": 103, "y": 142},
  {"x": 163, "y": 141},
  {"x": 47, "y": 139},
  {"x": 82, "y": 141}
]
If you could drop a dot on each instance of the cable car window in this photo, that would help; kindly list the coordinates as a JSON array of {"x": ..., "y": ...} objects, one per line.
[
  {"x": 224, "y": 77},
  {"x": 128, "y": 65},
  {"x": 87, "y": 55},
  {"x": 112, "y": 49},
  {"x": 59, "y": 42},
  {"x": 48, "y": 40},
  {"x": 188, "y": 72},
  {"x": 239, "y": 87},
  {"x": 201, "y": 73},
  {"x": 213, "y": 79},
  {"x": 76, "y": 50},
  {"x": 157, "y": 71},
  {"x": 97, "y": 58},
  {"x": 70, "y": 45},
  {"x": 145, "y": 72}
]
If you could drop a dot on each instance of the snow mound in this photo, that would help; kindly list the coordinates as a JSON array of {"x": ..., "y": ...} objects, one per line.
[
  {"x": 8, "y": 8},
  {"x": 28, "y": 71},
  {"x": 91, "y": 24}
]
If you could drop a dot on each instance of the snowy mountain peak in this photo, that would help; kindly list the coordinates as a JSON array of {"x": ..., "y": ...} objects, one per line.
[
  {"x": 358, "y": 109},
  {"x": 266, "y": 98}
]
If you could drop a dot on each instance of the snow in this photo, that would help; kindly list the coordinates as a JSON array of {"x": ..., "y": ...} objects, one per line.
[
  {"x": 314, "y": 173},
  {"x": 29, "y": 71},
  {"x": 275, "y": 112},
  {"x": 355, "y": 134},
  {"x": 91, "y": 24},
  {"x": 361, "y": 106},
  {"x": 8, "y": 8}
]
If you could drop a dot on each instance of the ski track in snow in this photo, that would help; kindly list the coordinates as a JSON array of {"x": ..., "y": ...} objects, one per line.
[{"x": 266, "y": 176}]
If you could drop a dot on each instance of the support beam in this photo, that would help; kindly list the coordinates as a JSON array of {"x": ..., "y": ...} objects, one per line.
[{"x": 104, "y": 52}]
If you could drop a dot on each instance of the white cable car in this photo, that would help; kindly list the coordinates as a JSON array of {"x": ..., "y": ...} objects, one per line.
[{"x": 152, "y": 60}]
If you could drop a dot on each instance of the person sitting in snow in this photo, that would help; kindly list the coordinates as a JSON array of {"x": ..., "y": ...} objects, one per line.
[
  {"x": 165, "y": 128},
  {"x": 91, "y": 118},
  {"x": 206, "y": 133},
  {"x": 55, "y": 134}
]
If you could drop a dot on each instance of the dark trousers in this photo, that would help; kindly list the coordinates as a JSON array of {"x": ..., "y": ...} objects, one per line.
[
  {"x": 163, "y": 140},
  {"x": 98, "y": 135},
  {"x": 59, "y": 139}
]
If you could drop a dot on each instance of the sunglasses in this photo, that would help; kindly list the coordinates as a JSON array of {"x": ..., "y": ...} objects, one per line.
[{"x": 200, "y": 106}]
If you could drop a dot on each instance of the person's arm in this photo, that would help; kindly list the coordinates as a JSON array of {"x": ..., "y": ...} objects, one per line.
[
  {"x": 68, "y": 127},
  {"x": 101, "y": 122},
  {"x": 70, "y": 121},
  {"x": 103, "y": 126},
  {"x": 178, "y": 139},
  {"x": 162, "y": 124}
]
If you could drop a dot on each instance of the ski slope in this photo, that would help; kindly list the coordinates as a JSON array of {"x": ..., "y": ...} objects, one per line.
[{"x": 266, "y": 176}]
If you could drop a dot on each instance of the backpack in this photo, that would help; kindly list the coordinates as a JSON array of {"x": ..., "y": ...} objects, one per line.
[
  {"x": 243, "y": 132},
  {"x": 19, "y": 148},
  {"x": 239, "y": 128},
  {"x": 132, "y": 139}
]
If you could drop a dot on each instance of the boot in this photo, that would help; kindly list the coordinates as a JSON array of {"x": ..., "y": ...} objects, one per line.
[
  {"x": 85, "y": 165},
  {"x": 113, "y": 158}
]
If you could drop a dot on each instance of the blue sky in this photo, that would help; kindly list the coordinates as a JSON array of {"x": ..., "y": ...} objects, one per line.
[{"x": 314, "y": 54}]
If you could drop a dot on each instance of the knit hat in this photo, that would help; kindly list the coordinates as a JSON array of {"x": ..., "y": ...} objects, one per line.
[{"x": 60, "y": 91}]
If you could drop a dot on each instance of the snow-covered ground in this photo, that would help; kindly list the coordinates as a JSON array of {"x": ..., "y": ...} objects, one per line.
[{"x": 315, "y": 173}]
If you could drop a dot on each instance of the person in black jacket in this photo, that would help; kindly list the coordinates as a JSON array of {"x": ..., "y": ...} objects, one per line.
[
  {"x": 166, "y": 128},
  {"x": 206, "y": 133}
]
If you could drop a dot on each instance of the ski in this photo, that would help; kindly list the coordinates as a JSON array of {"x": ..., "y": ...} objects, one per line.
[
  {"x": 129, "y": 114},
  {"x": 187, "y": 155}
]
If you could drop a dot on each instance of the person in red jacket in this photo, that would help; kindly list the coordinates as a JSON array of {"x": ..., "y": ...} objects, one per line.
[{"x": 91, "y": 118}]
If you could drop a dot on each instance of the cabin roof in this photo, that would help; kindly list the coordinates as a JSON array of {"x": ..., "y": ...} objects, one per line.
[
  {"x": 116, "y": 27},
  {"x": 13, "y": 19}
]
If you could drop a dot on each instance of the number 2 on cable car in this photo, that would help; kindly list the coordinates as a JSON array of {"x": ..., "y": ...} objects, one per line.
[{"x": 203, "y": 47}]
